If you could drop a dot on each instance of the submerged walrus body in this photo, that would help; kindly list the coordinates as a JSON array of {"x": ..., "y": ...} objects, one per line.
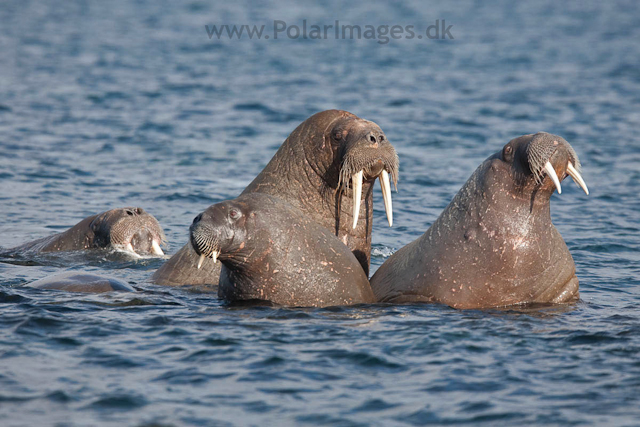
[
  {"x": 495, "y": 244},
  {"x": 131, "y": 229},
  {"x": 81, "y": 282},
  {"x": 326, "y": 168},
  {"x": 271, "y": 252}
]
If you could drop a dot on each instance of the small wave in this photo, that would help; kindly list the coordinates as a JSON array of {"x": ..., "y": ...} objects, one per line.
[{"x": 384, "y": 252}]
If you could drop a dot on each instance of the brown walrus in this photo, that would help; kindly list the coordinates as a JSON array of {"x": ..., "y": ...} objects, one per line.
[
  {"x": 495, "y": 244},
  {"x": 312, "y": 171},
  {"x": 81, "y": 282},
  {"x": 131, "y": 229},
  {"x": 270, "y": 251}
]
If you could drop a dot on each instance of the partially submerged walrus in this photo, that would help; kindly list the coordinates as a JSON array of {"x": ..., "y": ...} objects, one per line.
[
  {"x": 131, "y": 229},
  {"x": 270, "y": 251},
  {"x": 495, "y": 244},
  {"x": 81, "y": 282},
  {"x": 312, "y": 171}
]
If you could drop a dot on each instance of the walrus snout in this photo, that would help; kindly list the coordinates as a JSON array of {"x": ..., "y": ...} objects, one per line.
[
  {"x": 205, "y": 238},
  {"x": 131, "y": 228},
  {"x": 552, "y": 156},
  {"x": 369, "y": 155}
]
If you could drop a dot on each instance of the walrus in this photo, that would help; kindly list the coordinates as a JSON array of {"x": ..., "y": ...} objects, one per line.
[
  {"x": 271, "y": 251},
  {"x": 130, "y": 229},
  {"x": 81, "y": 282},
  {"x": 326, "y": 168},
  {"x": 494, "y": 244}
]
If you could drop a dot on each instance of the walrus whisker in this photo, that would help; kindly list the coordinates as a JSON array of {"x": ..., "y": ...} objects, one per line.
[
  {"x": 577, "y": 177},
  {"x": 554, "y": 177}
]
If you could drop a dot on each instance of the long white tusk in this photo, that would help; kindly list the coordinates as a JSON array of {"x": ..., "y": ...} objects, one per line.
[
  {"x": 200, "y": 261},
  {"x": 356, "y": 186},
  {"x": 155, "y": 248},
  {"x": 214, "y": 255},
  {"x": 130, "y": 248},
  {"x": 554, "y": 177},
  {"x": 386, "y": 195},
  {"x": 577, "y": 177}
]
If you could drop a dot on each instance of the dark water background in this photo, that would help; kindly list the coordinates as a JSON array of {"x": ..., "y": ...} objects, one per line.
[{"x": 108, "y": 104}]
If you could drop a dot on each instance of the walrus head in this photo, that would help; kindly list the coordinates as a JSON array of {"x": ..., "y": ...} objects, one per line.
[
  {"x": 364, "y": 154},
  {"x": 330, "y": 152},
  {"x": 131, "y": 228},
  {"x": 219, "y": 231},
  {"x": 540, "y": 162}
]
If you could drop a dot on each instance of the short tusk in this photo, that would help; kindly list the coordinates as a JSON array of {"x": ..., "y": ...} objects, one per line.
[
  {"x": 130, "y": 248},
  {"x": 155, "y": 248},
  {"x": 386, "y": 195},
  {"x": 356, "y": 184},
  {"x": 200, "y": 261},
  {"x": 554, "y": 177},
  {"x": 577, "y": 177},
  {"x": 214, "y": 255}
]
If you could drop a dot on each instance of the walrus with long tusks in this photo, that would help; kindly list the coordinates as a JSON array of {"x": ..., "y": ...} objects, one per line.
[
  {"x": 326, "y": 168},
  {"x": 270, "y": 251},
  {"x": 130, "y": 229},
  {"x": 495, "y": 244}
]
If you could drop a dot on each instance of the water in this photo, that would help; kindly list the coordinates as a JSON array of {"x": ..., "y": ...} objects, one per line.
[{"x": 129, "y": 103}]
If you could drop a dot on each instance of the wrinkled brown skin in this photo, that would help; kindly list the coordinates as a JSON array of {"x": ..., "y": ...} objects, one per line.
[
  {"x": 494, "y": 244},
  {"x": 305, "y": 172},
  {"x": 81, "y": 282},
  {"x": 97, "y": 231},
  {"x": 272, "y": 252}
]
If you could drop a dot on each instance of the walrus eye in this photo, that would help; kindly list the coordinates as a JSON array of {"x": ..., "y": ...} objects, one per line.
[{"x": 234, "y": 214}]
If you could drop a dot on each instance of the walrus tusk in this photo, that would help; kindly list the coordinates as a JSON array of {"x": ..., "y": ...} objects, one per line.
[
  {"x": 214, "y": 255},
  {"x": 554, "y": 177},
  {"x": 155, "y": 248},
  {"x": 386, "y": 195},
  {"x": 356, "y": 181},
  {"x": 200, "y": 261},
  {"x": 130, "y": 248},
  {"x": 577, "y": 177}
]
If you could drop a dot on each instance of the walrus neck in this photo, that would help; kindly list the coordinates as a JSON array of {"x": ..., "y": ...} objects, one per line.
[
  {"x": 78, "y": 237},
  {"x": 496, "y": 207}
]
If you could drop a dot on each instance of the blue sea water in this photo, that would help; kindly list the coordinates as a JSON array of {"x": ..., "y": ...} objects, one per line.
[{"x": 108, "y": 104}]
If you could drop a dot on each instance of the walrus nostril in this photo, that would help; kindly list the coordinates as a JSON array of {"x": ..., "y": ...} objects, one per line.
[
  {"x": 130, "y": 212},
  {"x": 197, "y": 219},
  {"x": 372, "y": 138},
  {"x": 139, "y": 211}
]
